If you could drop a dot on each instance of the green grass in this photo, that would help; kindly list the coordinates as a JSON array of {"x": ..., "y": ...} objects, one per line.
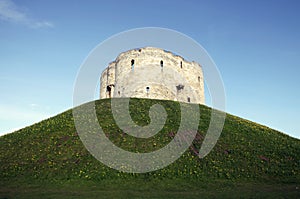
[
  {"x": 49, "y": 160},
  {"x": 151, "y": 189}
]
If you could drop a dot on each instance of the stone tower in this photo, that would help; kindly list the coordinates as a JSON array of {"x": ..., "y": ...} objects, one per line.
[{"x": 153, "y": 73}]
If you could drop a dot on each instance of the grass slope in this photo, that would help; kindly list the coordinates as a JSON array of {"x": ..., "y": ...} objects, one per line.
[{"x": 49, "y": 159}]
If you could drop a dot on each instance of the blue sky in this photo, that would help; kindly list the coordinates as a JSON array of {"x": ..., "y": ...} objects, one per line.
[{"x": 255, "y": 44}]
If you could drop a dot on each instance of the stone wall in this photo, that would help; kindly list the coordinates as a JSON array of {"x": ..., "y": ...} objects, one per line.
[{"x": 153, "y": 73}]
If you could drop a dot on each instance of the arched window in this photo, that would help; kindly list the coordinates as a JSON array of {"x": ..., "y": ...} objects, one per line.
[
  {"x": 189, "y": 99},
  {"x": 161, "y": 63},
  {"x": 147, "y": 89}
]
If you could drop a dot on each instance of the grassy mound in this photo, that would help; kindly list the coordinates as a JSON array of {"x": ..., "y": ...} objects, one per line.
[{"x": 49, "y": 155}]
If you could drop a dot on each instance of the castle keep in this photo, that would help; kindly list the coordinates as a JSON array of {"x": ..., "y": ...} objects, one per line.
[{"x": 153, "y": 73}]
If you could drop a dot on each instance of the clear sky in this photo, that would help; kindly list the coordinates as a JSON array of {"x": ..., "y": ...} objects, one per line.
[{"x": 255, "y": 44}]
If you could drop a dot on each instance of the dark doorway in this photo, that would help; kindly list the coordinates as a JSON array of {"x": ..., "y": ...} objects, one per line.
[{"x": 109, "y": 89}]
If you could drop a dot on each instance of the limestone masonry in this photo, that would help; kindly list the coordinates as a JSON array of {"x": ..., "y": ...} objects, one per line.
[{"x": 153, "y": 73}]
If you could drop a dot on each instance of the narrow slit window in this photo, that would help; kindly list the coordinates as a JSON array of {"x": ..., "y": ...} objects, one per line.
[
  {"x": 161, "y": 63},
  {"x": 181, "y": 64},
  {"x": 189, "y": 99},
  {"x": 199, "y": 78},
  {"x": 132, "y": 64}
]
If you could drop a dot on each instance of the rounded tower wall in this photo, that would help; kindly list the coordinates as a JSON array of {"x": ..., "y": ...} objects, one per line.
[{"x": 153, "y": 73}]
